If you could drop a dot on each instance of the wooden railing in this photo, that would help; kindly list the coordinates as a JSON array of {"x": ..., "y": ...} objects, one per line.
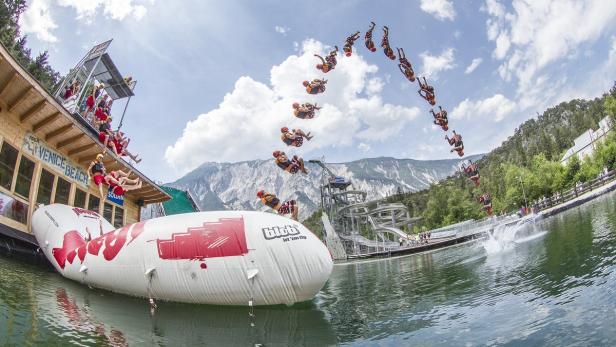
[{"x": 579, "y": 189}]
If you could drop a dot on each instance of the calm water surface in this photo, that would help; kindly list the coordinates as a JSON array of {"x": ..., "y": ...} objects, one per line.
[{"x": 554, "y": 285}]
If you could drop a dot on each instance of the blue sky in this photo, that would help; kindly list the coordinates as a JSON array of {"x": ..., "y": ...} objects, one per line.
[{"x": 216, "y": 78}]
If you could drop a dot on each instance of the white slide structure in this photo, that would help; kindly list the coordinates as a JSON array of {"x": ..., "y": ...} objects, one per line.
[{"x": 222, "y": 258}]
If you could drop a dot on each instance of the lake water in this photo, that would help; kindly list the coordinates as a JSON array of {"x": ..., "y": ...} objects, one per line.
[{"x": 552, "y": 283}]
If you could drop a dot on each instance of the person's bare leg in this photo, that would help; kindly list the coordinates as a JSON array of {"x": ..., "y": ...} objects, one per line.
[{"x": 294, "y": 212}]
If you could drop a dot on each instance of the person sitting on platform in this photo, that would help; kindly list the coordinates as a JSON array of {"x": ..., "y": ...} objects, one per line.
[
  {"x": 456, "y": 141},
  {"x": 486, "y": 200},
  {"x": 295, "y": 137},
  {"x": 105, "y": 135},
  {"x": 293, "y": 166},
  {"x": 97, "y": 173},
  {"x": 385, "y": 44},
  {"x": 317, "y": 86},
  {"x": 472, "y": 172},
  {"x": 304, "y": 111},
  {"x": 121, "y": 142},
  {"x": 348, "y": 44},
  {"x": 426, "y": 91},
  {"x": 368, "y": 38},
  {"x": 440, "y": 118},
  {"x": 405, "y": 66},
  {"x": 120, "y": 182},
  {"x": 271, "y": 201},
  {"x": 329, "y": 63}
]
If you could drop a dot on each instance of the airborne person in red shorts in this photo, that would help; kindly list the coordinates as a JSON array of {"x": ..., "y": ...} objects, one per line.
[
  {"x": 295, "y": 137},
  {"x": 348, "y": 45},
  {"x": 304, "y": 111},
  {"x": 385, "y": 44},
  {"x": 317, "y": 86},
  {"x": 271, "y": 201},
  {"x": 426, "y": 91},
  {"x": 368, "y": 38}
]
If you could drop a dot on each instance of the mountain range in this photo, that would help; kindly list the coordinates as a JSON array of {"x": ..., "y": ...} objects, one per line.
[{"x": 233, "y": 186}]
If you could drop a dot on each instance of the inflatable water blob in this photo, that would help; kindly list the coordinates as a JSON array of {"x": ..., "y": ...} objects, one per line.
[{"x": 222, "y": 258}]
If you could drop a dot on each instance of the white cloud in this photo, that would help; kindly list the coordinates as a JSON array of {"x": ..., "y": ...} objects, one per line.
[
  {"x": 246, "y": 124},
  {"x": 440, "y": 9},
  {"x": 536, "y": 34},
  {"x": 433, "y": 64},
  {"x": 364, "y": 147},
  {"x": 494, "y": 108},
  {"x": 37, "y": 20},
  {"x": 474, "y": 64},
  {"x": 282, "y": 30}
]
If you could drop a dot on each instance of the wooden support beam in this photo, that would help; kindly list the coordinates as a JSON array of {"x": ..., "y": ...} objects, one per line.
[
  {"x": 45, "y": 121},
  {"x": 32, "y": 111},
  {"x": 70, "y": 140},
  {"x": 58, "y": 131},
  {"x": 21, "y": 98},
  {"x": 82, "y": 148},
  {"x": 8, "y": 84}
]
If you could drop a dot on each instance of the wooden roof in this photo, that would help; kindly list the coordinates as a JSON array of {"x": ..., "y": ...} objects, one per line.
[{"x": 39, "y": 112}]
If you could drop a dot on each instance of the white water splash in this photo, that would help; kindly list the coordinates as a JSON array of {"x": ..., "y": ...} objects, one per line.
[{"x": 503, "y": 238}]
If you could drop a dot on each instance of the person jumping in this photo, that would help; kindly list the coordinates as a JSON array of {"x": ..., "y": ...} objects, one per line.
[
  {"x": 456, "y": 141},
  {"x": 317, "y": 86},
  {"x": 486, "y": 200},
  {"x": 385, "y": 44},
  {"x": 305, "y": 111},
  {"x": 348, "y": 44},
  {"x": 271, "y": 201},
  {"x": 295, "y": 137},
  {"x": 428, "y": 92},
  {"x": 329, "y": 62},
  {"x": 405, "y": 66},
  {"x": 120, "y": 183},
  {"x": 472, "y": 172},
  {"x": 440, "y": 118},
  {"x": 292, "y": 166},
  {"x": 368, "y": 38}
]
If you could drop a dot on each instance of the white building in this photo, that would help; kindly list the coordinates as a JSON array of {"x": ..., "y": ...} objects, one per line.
[{"x": 585, "y": 144}]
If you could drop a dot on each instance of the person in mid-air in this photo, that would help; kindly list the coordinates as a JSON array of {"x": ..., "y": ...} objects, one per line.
[
  {"x": 305, "y": 111},
  {"x": 317, "y": 86},
  {"x": 426, "y": 91},
  {"x": 120, "y": 182},
  {"x": 293, "y": 166},
  {"x": 486, "y": 200},
  {"x": 294, "y": 137},
  {"x": 368, "y": 38},
  {"x": 271, "y": 201},
  {"x": 121, "y": 143},
  {"x": 96, "y": 173},
  {"x": 472, "y": 172},
  {"x": 329, "y": 62},
  {"x": 385, "y": 44},
  {"x": 440, "y": 118},
  {"x": 456, "y": 142},
  {"x": 405, "y": 66},
  {"x": 348, "y": 44},
  {"x": 105, "y": 135}
]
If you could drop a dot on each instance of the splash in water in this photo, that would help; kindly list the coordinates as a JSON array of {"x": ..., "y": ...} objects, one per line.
[{"x": 504, "y": 236}]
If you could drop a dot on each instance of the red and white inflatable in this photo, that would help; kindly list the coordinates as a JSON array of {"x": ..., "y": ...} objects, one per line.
[{"x": 223, "y": 258}]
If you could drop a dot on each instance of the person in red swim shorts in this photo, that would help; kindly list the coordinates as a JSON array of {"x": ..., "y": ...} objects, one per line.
[
  {"x": 305, "y": 111},
  {"x": 292, "y": 166},
  {"x": 426, "y": 91},
  {"x": 96, "y": 173},
  {"x": 456, "y": 141},
  {"x": 440, "y": 118},
  {"x": 348, "y": 44},
  {"x": 317, "y": 86},
  {"x": 120, "y": 182},
  {"x": 294, "y": 137},
  {"x": 405, "y": 66},
  {"x": 368, "y": 38},
  {"x": 329, "y": 62},
  {"x": 389, "y": 53},
  {"x": 271, "y": 201}
]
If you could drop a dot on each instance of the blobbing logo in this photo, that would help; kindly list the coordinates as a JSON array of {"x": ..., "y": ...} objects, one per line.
[{"x": 271, "y": 233}]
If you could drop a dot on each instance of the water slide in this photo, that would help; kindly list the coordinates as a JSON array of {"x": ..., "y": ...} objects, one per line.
[{"x": 332, "y": 240}]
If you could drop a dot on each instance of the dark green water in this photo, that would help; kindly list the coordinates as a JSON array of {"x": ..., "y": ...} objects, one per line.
[{"x": 556, "y": 286}]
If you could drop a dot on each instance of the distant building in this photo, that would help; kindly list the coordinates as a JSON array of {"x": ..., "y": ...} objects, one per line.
[{"x": 585, "y": 144}]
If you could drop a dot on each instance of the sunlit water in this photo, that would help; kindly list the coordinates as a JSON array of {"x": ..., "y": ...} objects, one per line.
[{"x": 553, "y": 283}]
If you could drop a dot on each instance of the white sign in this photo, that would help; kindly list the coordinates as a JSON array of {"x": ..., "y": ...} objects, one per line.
[{"x": 61, "y": 164}]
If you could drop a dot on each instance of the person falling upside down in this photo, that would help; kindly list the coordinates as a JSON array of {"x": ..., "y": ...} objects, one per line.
[
  {"x": 486, "y": 200},
  {"x": 304, "y": 111},
  {"x": 456, "y": 142},
  {"x": 120, "y": 182},
  {"x": 368, "y": 38},
  {"x": 426, "y": 91},
  {"x": 405, "y": 66},
  {"x": 472, "y": 172},
  {"x": 271, "y": 201},
  {"x": 385, "y": 44},
  {"x": 348, "y": 44},
  {"x": 295, "y": 137},
  {"x": 317, "y": 86},
  {"x": 440, "y": 118},
  {"x": 292, "y": 166},
  {"x": 329, "y": 63}
]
